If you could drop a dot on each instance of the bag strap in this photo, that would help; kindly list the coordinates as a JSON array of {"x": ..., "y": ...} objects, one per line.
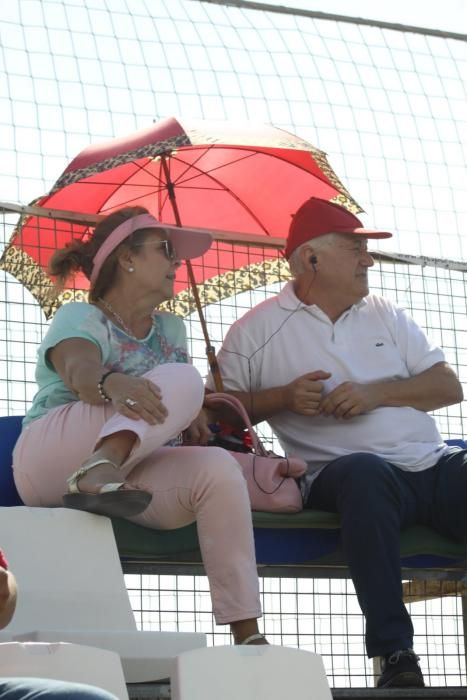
[{"x": 236, "y": 404}]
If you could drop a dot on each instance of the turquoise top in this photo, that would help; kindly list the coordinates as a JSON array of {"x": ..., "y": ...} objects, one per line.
[{"x": 165, "y": 342}]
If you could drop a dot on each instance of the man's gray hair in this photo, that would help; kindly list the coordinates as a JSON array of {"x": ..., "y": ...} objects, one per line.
[{"x": 295, "y": 261}]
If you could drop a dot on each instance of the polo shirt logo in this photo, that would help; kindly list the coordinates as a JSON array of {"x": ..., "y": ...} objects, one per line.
[{"x": 378, "y": 345}]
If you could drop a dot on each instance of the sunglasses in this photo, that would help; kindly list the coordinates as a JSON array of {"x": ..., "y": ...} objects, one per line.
[{"x": 167, "y": 246}]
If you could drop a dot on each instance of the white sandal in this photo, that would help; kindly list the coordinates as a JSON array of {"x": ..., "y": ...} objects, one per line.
[
  {"x": 253, "y": 638},
  {"x": 112, "y": 499}
]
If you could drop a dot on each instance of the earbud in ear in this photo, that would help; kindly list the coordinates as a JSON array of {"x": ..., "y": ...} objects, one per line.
[{"x": 313, "y": 260}]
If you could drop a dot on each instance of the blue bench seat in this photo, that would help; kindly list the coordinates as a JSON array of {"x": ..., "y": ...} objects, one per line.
[{"x": 301, "y": 544}]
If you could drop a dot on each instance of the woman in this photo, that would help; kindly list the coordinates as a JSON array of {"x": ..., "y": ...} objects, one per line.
[{"x": 115, "y": 392}]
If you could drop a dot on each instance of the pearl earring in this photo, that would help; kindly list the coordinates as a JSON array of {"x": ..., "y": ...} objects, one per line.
[{"x": 131, "y": 269}]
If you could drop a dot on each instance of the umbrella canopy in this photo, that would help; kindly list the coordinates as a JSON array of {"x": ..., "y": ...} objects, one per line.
[{"x": 221, "y": 176}]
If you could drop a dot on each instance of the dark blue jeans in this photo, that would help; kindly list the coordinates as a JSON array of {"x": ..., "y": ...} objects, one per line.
[
  {"x": 44, "y": 689},
  {"x": 376, "y": 500}
]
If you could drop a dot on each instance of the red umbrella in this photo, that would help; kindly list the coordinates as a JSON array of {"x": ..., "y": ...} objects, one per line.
[{"x": 242, "y": 178}]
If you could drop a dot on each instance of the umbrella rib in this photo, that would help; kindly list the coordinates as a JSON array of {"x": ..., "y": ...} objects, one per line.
[
  {"x": 162, "y": 188},
  {"x": 191, "y": 165},
  {"x": 203, "y": 153},
  {"x": 320, "y": 175},
  {"x": 332, "y": 180},
  {"x": 209, "y": 173},
  {"x": 242, "y": 204},
  {"x": 125, "y": 182},
  {"x": 127, "y": 203}
]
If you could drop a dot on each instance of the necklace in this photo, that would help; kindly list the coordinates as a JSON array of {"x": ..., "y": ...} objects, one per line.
[{"x": 117, "y": 317}]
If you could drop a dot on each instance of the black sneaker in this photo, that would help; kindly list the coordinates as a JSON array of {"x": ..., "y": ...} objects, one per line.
[{"x": 401, "y": 670}]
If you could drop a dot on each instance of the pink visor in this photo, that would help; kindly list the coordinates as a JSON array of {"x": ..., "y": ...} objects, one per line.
[{"x": 187, "y": 242}]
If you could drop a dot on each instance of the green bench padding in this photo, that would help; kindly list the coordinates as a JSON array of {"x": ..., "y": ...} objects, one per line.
[{"x": 138, "y": 543}]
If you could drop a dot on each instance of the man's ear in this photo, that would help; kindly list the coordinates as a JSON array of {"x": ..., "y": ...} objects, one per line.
[{"x": 309, "y": 259}]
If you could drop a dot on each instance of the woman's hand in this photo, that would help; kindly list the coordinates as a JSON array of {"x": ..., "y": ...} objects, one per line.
[
  {"x": 198, "y": 432},
  {"x": 78, "y": 362},
  {"x": 135, "y": 397}
]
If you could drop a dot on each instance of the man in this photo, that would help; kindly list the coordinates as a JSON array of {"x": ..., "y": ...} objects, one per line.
[
  {"x": 7, "y": 592},
  {"x": 346, "y": 380},
  {"x": 36, "y": 688}
]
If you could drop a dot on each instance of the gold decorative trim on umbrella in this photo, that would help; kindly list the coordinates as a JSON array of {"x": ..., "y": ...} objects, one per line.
[
  {"x": 49, "y": 297},
  {"x": 229, "y": 284},
  {"x": 33, "y": 277},
  {"x": 145, "y": 151},
  {"x": 273, "y": 138},
  {"x": 19, "y": 264},
  {"x": 344, "y": 199},
  {"x": 216, "y": 289}
]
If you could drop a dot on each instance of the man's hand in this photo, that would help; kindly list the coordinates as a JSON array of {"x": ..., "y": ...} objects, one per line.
[
  {"x": 349, "y": 400},
  {"x": 7, "y": 596},
  {"x": 198, "y": 432},
  {"x": 304, "y": 394},
  {"x": 4, "y": 588}
]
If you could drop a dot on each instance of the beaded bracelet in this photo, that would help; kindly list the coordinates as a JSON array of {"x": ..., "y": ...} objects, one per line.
[{"x": 100, "y": 386}]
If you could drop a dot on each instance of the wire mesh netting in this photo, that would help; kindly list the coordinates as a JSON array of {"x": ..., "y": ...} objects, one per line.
[
  {"x": 318, "y": 615},
  {"x": 433, "y": 291},
  {"x": 388, "y": 106}
]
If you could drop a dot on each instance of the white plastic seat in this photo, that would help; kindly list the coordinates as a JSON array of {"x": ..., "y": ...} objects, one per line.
[
  {"x": 72, "y": 589},
  {"x": 64, "y": 662},
  {"x": 250, "y": 673}
]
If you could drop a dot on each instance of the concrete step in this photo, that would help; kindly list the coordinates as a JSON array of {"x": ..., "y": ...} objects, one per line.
[
  {"x": 441, "y": 693},
  {"x": 161, "y": 691}
]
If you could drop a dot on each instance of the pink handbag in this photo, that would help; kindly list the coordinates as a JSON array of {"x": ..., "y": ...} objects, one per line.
[{"x": 271, "y": 479}]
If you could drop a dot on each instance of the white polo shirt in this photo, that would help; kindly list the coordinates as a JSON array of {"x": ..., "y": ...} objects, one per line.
[{"x": 282, "y": 339}]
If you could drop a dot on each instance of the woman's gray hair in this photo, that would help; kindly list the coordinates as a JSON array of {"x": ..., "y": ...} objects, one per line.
[{"x": 295, "y": 261}]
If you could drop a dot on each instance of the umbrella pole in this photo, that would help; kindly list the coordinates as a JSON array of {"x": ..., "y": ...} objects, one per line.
[{"x": 210, "y": 351}]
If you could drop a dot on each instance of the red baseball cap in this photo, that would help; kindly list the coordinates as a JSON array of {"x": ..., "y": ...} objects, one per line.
[{"x": 316, "y": 217}]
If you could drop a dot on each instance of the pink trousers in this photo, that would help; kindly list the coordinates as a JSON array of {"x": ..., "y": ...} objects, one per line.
[{"x": 187, "y": 483}]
